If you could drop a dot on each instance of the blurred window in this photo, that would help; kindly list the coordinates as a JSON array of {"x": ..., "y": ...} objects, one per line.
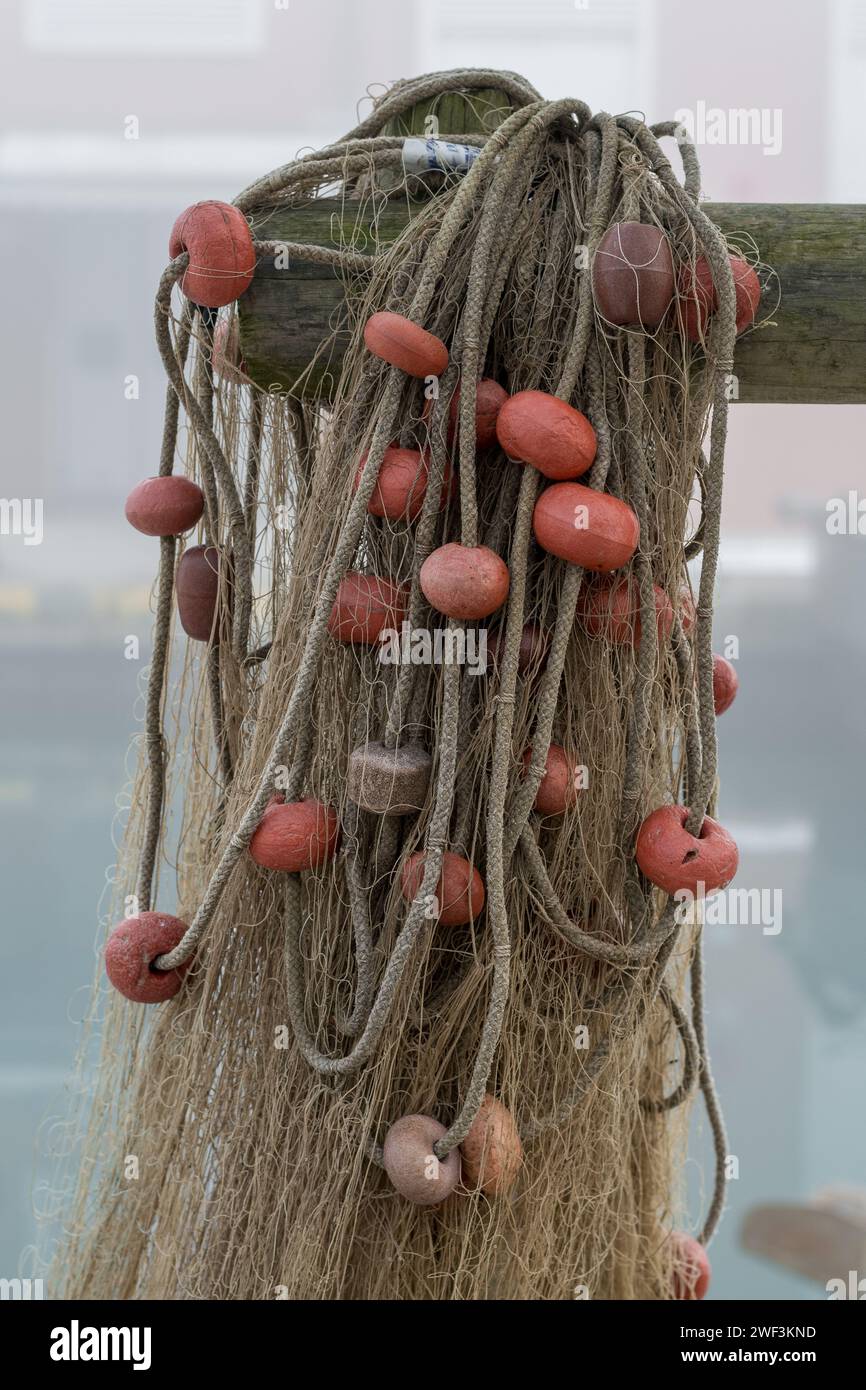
[
  {"x": 847, "y": 79},
  {"x": 599, "y": 49},
  {"x": 143, "y": 27}
]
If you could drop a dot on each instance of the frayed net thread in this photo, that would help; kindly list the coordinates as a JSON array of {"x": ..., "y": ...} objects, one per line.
[{"x": 257, "y": 1172}]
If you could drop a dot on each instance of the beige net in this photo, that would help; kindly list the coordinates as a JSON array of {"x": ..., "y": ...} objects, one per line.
[{"x": 320, "y": 1007}]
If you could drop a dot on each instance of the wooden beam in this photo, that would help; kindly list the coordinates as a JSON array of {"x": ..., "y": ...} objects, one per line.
[{"x": 814, "y": 350}]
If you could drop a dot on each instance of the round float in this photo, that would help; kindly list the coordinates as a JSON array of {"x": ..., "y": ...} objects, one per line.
[
  {"x": 726, "y": 683},
  {"x": 133, "y": 947},
  {"x": 698, "y": 297},
  {"x": 165, "y": 506},
  {"x": 633, "y": 275},
  {"x": 412, "y": 1166},
  {"x": 197, "y": 585},
  {"x": 464, "y": 581},
  {"x": 558, "y": 789},
  {"x": 295, "y": 835},
  {"x": 544, "y": 431},
  {"x": 585, "y": 527},
  {"x": 673, "y": 859},
  {"x": 221, "y": 253},
  {"x": 406, "y": 345},
  {"x": 365, "y": 606},
  {"x": 459, "y": 891},
  {"x": 492, "y": 1153}
]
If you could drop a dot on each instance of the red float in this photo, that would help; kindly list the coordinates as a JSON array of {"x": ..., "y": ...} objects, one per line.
[
  {"x": 464, "y": 581},
  {"x": 698, "y": 298},
  {"x": 402, "y": 484},
  {"x": 165, "y": 506},
  {"x": 197, "y": 585},
  {"x": 221, "y": 253},
  {"x": 365, "y": 606},
  {"x": 726, "y": 683},
  {"x": 405, "y": 345},
  {"x": 492, "y": 1151},
  {"x": 459, "y": 892},
  {"x": 678, "y": 862},
  {"x": 560, "y": 784},
  {"x": 533, "y": 649},
  {"x": 295, "y": 835},
  {"x": 489, "y": 399},
  {"x": 692, "y": 1271},
  {"x": 612, "y": 610},
  {"x": 540, "y": 429},
  {"x": 584, "y": 527},
  {"x": 131, "y": 950},
  {"x": 225, "y": 357},
  {"x": 633, "y": 275}
]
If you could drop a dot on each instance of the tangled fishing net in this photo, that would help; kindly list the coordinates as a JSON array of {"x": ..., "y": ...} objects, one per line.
[{"x": 320, "y": 1007}]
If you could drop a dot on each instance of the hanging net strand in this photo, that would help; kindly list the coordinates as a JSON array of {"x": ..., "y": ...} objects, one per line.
[{"x": 435, "y": 769}]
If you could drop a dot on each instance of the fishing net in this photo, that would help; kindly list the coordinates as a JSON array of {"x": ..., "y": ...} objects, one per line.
[{"x": 235, "y": 1139}]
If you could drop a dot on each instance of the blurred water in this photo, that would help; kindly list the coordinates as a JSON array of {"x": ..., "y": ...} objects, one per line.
[{"x": 67, "y": 720}]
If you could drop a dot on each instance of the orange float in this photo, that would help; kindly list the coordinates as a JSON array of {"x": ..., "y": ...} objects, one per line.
[
  {"x": 464, "y": 581},
  {"x": 677, "y": 861},
  {"x": 492, "y": 1153},
  {"x": 226, "y": 358},
  {"x": 633, "y": 275},
  {"x": 405, "y": 344},
  {"x": 726, "y": 683},
  {"x": 459, "y": 891},
  {"x": 165, "y": 506},
  {"x": 559, "y": 786},
  {"x": 221, "y": 253},
  {"x": 536, "y": 428},
  {"x": 611, "y": 609},
  {"x": 133, "y": 947},
  {"x": 295, "y": 835},
  {"x": 365, "y": 606},
  {"x": 489, "y": 399},
  {"x": 402, "y": 484},
  {"x": 698, "y": 297},
  {"x": 585, "y": 527}
]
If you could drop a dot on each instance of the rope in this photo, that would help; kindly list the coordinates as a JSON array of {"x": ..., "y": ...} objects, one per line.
[{"x": 599, "y": 167}]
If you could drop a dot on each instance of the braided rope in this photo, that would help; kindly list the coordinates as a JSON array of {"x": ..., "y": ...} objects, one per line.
[{"x": 493, "y": 196}]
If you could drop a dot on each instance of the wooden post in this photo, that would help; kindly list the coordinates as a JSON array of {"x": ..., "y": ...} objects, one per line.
[{"x": 813, "y": 351}]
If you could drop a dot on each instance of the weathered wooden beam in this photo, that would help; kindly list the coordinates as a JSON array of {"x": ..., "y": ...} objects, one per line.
[
  {"x": 291, "y": 318},
  {"x": 814, "y": 350}
]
